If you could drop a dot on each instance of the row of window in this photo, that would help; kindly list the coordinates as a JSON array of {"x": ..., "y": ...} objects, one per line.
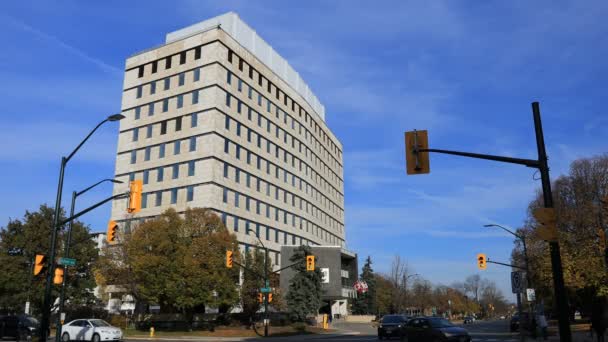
[
  {"x": 153, "y": 66},
  {"x": 287, "y": 119},
  {"x": 160, "y": 171},
  {"x": 166, "y": 82},
  {"x": 191, "y": 141},
  {"x": 164, "y": 104},
  {"x": 163, "y": 126},
  {"x": 287, "y": 177},
  {"x": 155, "y": 198},
  {"x": 287, "y": 101},
  {"x": 279, "y": 194},
  {"x": 239, "y": 224}
]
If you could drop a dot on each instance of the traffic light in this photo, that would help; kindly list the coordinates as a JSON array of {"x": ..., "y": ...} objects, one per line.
[
  {"x": 547, "y": 229},
  {"x": 482, "y": 261},
  {"x": 136, "y": 188},
  {"x": 111, "y": 233},
  {"x": 269, "y": 297},
  {"x": 229, "y": 259},
  {"x": 417, "y": 163},
  {"x": 58, "y": 278},
  {"x": 310, "y": 263},
  {"x": 260, "y": 297},
  {"x": 39, "y": 264}
]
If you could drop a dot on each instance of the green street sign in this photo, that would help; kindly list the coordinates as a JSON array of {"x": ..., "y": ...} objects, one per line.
[
  {"x": 67, "y": 261},
  {"x": 265, "y": 290}
]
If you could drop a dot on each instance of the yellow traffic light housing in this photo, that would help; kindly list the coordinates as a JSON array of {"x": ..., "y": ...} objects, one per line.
[
  {"x": 136, "y": 188},
  {"x": 547, "y": 229},
  {"x": 111, "y": 232},
  {"x": 269, "y": 298},
  {"x": 39, "y": 264},
  {"x": 416, "y": 162},
  {"x": 310, "y": 263},
  {"x": 482, "y": 261},
  {"x": 229, "y": 259},
  {"x": 58, "y": 277},
  {"x": 260, "y": 297}
]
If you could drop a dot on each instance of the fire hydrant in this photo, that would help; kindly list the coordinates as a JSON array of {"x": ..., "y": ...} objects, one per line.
[{"x": 151, "y": 331}]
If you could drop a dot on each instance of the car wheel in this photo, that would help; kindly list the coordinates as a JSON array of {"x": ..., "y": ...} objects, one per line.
[
  {"x": 65, "y": 337},
  {"x": 96, "y": 338}
]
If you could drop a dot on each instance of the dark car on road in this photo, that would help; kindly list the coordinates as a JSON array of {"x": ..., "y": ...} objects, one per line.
[
  {"x": 18, "y": 327},
  {"x": 468, "y": 320},
  {"x": 391, "y": 326},
  {"x": 434, "y": 329}
]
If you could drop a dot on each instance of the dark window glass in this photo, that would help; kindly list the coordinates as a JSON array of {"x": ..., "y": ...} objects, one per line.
[
  {"x": 197, "y": 52},
  {"x": 140, "y": 72},
  {"x": 192, "y": 144},
  {"x": 194, "y": 120},
  {"x": 139, "y": 91},
  {"x": 181, "y": 79},
  {"x": 133, "y": 157},
  {"x": 191, "y": 168},
  {"x": 163, "y": 127},
  {"x": 154, "y": 67},
  {"x": 165, "y": 105},
  {"x": 195, "y": 97},
  {"x": 160, "y": 174},
  {"x": 161, "y": 151},
  {"x": 167, "y": 83},
  {"x": 260, "y": 80},
  {"x": 197, "y": 74},
  {"x": 168, "y": 62},
  {"x": 190, "y": 193},
  {"x": 176, "y": 147},
  {"x": 175, "y": 171},
  {"x": 137, "y": 113},
  {"x": 227, "y": 99},
  {"x": 144, "y": 200},
  {"x": 182, "y": 57},
  {"x": 159, "y": 197},
  {"x": 229, "y": 77},
  {"x": 250, "y": 72},
  {"x": 230, "y": 56},
  {"x": 226, "y": 170},
  {"x": 146, "y": 176},
  {"x": 178, "y": 124},
  {"x": 150, "y": 109},
  {"x": 180, "y": 101},
  {"x": 148, "y": 131},
  {"x": 173, "y": 196},
  {"x": 135, "y": 134},
  {"x": 152, "y": 88}
]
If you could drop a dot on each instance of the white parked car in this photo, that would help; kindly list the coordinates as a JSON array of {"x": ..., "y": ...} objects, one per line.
[{"x": 96, "y": 330}]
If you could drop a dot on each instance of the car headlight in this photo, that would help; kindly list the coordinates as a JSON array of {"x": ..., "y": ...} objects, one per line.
[
  {"x": 448, "y": 335},
  {"x": 399, "y": 326},
  {"x": 380, "y": 326}
]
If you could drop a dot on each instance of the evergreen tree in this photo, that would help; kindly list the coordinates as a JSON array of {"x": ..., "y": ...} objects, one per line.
[
  {"x": 304, "y": 296},
  {"x": 254, "y": 260},
  {"x": 365, "y": 303}
]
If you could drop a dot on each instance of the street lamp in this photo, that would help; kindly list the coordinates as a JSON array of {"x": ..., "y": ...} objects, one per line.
[
  {"x": 405, "y": 288},
  {"x": 44, "y": 324},
  {"x": 67, "y": 249},
  {"x": 522, "y": 238}
]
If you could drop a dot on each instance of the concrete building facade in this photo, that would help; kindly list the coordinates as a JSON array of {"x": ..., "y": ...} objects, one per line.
[{"x": 216, "y": 119}]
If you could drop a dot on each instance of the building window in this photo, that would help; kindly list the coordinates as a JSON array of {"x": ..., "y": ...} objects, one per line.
[
  {"x": 167, "y": 83},
  {"x": 197, "y": 52},
  {"x": 147, "y": 153},
  {"x": 168, "y": 62},
  {"x": 148, "y": 131},
  {"x": 182, "y": 57},
  {"x": 238, "y": 128},
  {"x": 194, "y": 120},
  {"x": 154, "y": 67},
  {"x": 195, "y": 97},
  {"x": 159, "y": 197},
  {"x": 175, "y": 171},
  {"x": 181, "y": 79},
  {"x": 230, "y": 56},
  {"x": 140, "y": 71},
  {"x": 236, "y": 199},
  {"x": 131, "y": 176},
  {"x": 152, "y": 88},
  {"x": 237, "y": 175},
  {"x": 178, "y": 124},
  {"x": 165, "y": 105},
  {"x": 226, "y": 146},
  {"x": 133, "y": 157},
  {"x": 180, "y": 101},
  {"x": 135, "y": 134},
  {"x": 236, "y": 224},
  {"x": 139, "y": 91},
  {"x": 192, "y": 144},
  {"x": 240, "y": 64},
  {"x": 161, "y": 151},
  {"x": 151, "y": 109},
  {"x": 146, "y": 176},
  {"x": 227, "y": 100},
  {"x": 229, "y": 77},
  {"x": 176, "y": 147},
  {"x": 160, "y": 174},
  {"x": 226, "y": 170},
  {"x": 227, "y": 123},
  {"x": 163, "y": 127},
  {"x": 225, "y": 196},
  {"x": 240, "y": 85},
  {"x": 144, "y": 201},
  {"x": 191, "y": 168},
  {"x": 190, "y": 194},
  {"x": 197, "y": 74},
  {"x": 173, "y": 196},
  {"x": 137, "y": 113}
]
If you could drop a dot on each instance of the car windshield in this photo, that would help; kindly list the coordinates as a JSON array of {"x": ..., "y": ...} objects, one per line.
[
  {"x": 440, "y": 323},
  {"x": 99, "y": 323},
  {"x": 392, "y": 319}
]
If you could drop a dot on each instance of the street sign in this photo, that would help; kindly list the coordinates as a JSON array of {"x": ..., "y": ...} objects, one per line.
[
  {"x": 265, "y": 290},
  {"x": 516, "y": 282},
  {"x": 531, "y": 295},
  {"x": 67, "y": 261}
]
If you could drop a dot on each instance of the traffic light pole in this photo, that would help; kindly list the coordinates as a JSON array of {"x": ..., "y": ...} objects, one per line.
[
  {"x": 542, "y": 166},
  {"x": 59, "y": 324},
  {"x": 556, "y": 260},
  {"x": 266, "y": 321}
]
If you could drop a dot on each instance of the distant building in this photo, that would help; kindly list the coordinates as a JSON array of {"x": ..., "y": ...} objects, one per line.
[
  {"x": 215, "y": 118},
  {"x": 340, "y": 270}
]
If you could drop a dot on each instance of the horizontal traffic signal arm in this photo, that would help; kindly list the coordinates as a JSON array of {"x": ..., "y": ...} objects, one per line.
[
  {"x": 503, "y": 264},
  {"x": 259, "y": 275},
  {"x": 75, "y": 216},
  {"x": 520, "y": 161}
]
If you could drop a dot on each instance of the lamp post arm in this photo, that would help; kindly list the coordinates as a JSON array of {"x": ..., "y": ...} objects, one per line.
[
  {"x": 94, "y": 185},
  {"x": 83, "y": 141}
]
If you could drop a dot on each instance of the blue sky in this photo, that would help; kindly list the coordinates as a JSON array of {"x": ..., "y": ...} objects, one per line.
[{"x": 466, "y": 71}]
